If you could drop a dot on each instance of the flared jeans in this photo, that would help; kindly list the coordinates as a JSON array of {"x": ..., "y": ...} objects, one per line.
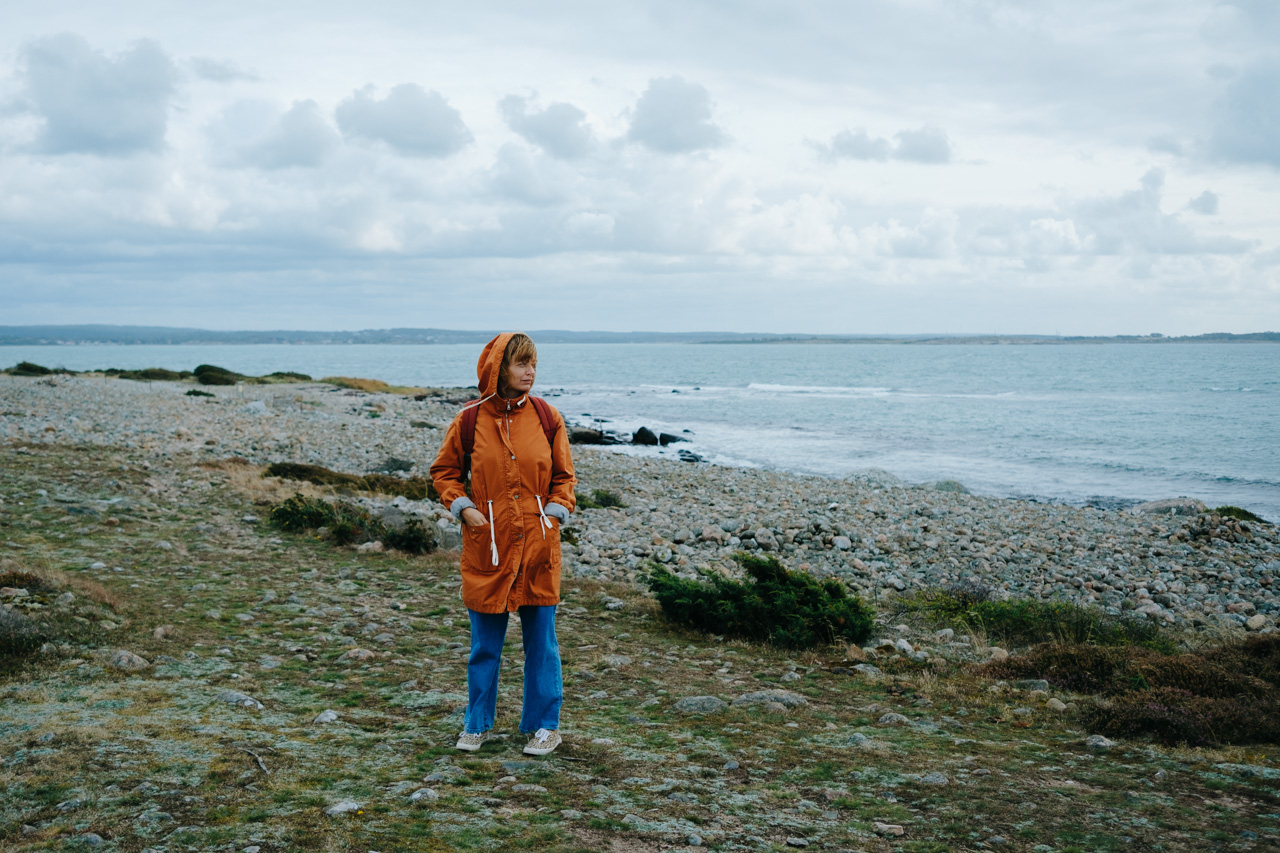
[{"x": 543, "y": 684}]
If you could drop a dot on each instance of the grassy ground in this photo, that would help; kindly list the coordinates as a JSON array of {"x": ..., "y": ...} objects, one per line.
[{"x": 154, "y": 759}]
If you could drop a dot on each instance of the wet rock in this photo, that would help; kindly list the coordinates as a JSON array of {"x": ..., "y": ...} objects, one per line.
[{"x": 644, "y": 436}]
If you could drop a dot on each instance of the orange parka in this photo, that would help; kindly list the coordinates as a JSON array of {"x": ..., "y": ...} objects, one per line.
[{"x": 515, "y": 476}]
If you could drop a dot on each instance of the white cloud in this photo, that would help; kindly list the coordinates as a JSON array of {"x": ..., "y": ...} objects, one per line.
[
  {"x": 928, "y": 144},
  {"x": 411, "y": 120},
  {"x": 561, "y": 129},
  {"x": 256, "y": 134},
  {"x": 1206, "y": 203},
  {"x": 218, "y": 70},
  {"x": 673, "y": 116},
  {"x": 1247, "y": 116},
  {"x": 94, "y": 104}
]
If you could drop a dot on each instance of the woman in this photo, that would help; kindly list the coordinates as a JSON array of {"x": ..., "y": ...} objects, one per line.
[{"x": 521, "y": 491}]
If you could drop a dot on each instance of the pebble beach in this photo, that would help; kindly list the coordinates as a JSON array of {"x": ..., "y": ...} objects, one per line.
[{"x": 1172, "y": 560}]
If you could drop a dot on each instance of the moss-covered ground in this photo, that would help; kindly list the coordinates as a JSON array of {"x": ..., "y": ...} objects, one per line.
[{"x": 180, "y": 567}]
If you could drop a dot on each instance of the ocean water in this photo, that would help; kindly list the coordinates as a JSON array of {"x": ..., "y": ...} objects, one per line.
[{"x": 1108, "y": 424}]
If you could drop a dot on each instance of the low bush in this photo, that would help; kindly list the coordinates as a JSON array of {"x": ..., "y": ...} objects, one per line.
[
  {"x": 1239, "y": 514},
  {"x": 209, "y": 374},
  {"x": 196, "y": 392},
  {"x": 414, "y": 488},
  {"x": 599, "y": 499},
  {"x": 38, "y": 618},
  {"x": 788, "y": 609},
  {"x": 1224, "y": 695},
  {"x": 349, "y": 524},
  {"x": 289, "y": 375},
  {"x": 27, "y": 368},
  {"x": 1026, "y": 622}
]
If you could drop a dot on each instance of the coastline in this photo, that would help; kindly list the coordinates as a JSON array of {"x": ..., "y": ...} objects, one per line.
[{"x": 877, "y": 534}]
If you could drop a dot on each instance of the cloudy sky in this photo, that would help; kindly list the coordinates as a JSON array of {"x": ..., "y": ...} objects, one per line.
[{"x": 1013, "y": 166}]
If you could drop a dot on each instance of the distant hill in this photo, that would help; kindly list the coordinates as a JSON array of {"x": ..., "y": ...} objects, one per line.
[{"x": 102, "y": 334}]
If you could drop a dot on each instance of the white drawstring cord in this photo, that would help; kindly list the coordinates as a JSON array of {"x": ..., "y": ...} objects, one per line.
[
  {"x": 476, "y": 403},
  {"x": 493, "y": 541},
  {"x": 545, "y": 520}
]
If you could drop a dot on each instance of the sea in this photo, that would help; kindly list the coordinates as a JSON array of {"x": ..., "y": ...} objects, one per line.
[{"x": 1101, "y": 424}]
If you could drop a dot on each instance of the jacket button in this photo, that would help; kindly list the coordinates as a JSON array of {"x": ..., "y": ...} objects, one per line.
[{"x": 517, "y": 497}]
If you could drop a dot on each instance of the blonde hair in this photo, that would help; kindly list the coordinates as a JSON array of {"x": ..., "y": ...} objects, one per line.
[{"x": 519, "y": 348}]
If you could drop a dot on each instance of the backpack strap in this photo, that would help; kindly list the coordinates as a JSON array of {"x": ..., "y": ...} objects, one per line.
[
  {"x": 546, "y": 414},
  {"x": 468, "y": 429}
]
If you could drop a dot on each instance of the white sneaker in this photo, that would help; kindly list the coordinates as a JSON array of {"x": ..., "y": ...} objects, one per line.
[
  {"x": 471, "y": 742},
  {"x": 542, "y": 742}
]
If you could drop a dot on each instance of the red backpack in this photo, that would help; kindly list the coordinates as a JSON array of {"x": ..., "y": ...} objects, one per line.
[{"x": 545, "y": 414}]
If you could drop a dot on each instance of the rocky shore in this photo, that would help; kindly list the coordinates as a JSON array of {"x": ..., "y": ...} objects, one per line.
[{"x": 1175, "y": 562}]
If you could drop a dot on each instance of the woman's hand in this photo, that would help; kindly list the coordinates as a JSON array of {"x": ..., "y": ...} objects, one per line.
[{"x": 472, "y": 517}]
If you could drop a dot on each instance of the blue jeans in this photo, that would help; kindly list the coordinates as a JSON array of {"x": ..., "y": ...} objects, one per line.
[{"x": 543, "y": 686}]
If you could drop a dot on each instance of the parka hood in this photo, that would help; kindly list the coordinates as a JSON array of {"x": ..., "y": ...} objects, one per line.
[{"x": 490, "y": 363}]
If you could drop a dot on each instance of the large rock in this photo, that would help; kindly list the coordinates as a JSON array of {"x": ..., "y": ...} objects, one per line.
[
  {"x": 700, "y": 705},
  {"x": 666, "y": 438},
  {"x": 645, "y": 436},
  {"x": 785, "y": 698},
  {"x": 587, "y": 435},
  {"x": 126, "y": 661},
  {"x": 1170, "y": 506}
]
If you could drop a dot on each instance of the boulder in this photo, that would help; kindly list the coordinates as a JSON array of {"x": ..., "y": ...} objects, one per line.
[
  {"x": 785, "y": 698},
  {"x": 644, "y": 436},
  {"x": 587, "y": 435},
  {"x": 665, "y": 438},
  {"x": 700, "y": 705},
  {"x": 1170, "y": 506}
]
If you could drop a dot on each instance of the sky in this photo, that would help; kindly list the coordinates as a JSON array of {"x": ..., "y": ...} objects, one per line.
[{"x": 922, "y": 166}]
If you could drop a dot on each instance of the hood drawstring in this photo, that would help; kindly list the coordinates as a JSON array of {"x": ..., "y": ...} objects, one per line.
[
  {"x": 545, "y": 520},
  {"x": 476, "y": 403},
  {"x": 493, "y": 539}
]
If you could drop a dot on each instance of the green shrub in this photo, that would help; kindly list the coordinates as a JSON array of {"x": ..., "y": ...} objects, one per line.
[
  {"x": 413, "y": 538},
  {"x": 26, "y": 368},
  {"x": 784, "y": 608},
  {"x": 300, "y": 513},
  {"x": 414, "y": 488},
  {"x": 349, "y": 524},
  {"x": 599, "y": 499},
  {"x": 1027, "y": 622},
  {"x": 1239, "y": 514},
  {"x": 208, "y": 374},
  {"x": 287, "y": 374},
  {"x": 196, "y": 392}
]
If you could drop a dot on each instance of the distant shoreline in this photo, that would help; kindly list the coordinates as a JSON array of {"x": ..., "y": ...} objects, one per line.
[{"x": 101, "y": 335}]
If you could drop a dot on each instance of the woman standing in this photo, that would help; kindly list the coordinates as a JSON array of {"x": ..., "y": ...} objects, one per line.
[{"x": 521, "y": 491}]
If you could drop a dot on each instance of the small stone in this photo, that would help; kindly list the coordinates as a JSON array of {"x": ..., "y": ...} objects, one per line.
[
  {"x": 797, "y": 842},
  {"x": 249, "y": 518},
  {"x": 841, "y": 543},
  {"x": 370, "y": 548},
  {"x": 700, "y": 705},
  {"x": 786, "y": 698},
  {"x": 342, "y": 807},
  {"x": 997, "y": 654},
  {"x": 1031, "y": 684},
  {"x": 858, "y": 739},
  {"x": 528, "y": 789},
  {"x": 125, "y": 661},
  {"x": 92, "y": 839},
  {"x": 935, "y": 778},
  {"x": 1256, "y": 622},
  {"x": 329, "y": 716},
  {"x": 855, "y": 653},
  {"x": 359, "y": 655},
  {"x": 1098, "y": 743},
  {"x": 694, "y": 840},
  {"x": 893, "y": 719},
  {"x": 424, "y": 795},
  {"x": 571, "y": 814},
  {"x": 869, "y": 670},
  {"x": 234, "y": 697},
  {"x": 163, "y": 632},
  {"x": 617, "y": 660},
  {"x": 1056, "y": 705},
  {"x": 730, "y": 765},
  {"x": 888, "y": 829}
]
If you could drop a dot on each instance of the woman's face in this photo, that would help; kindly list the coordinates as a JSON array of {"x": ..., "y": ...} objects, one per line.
[{"x": 520, "y": 375}]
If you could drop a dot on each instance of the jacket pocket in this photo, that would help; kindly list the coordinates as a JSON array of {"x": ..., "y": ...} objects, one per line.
[{"x": 476, "y": 551}]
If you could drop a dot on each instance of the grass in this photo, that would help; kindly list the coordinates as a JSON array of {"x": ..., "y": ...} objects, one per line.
[
  {"x": 371, "y": 386},
  {"x": 159, "y": 741},
  {"x": 414, "y": 488},
  {"x": 1026, "y": 622},
  {"x": 599, "y": 499}
]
